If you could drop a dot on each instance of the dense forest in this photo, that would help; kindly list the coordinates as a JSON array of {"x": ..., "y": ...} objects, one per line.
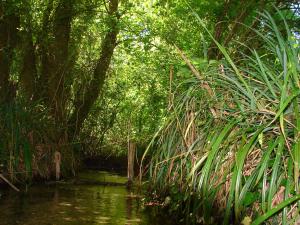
[{"x": 208, "y": 92}]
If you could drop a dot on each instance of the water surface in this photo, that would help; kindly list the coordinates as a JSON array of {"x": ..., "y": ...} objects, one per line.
[{"x": 63, "y": 204}]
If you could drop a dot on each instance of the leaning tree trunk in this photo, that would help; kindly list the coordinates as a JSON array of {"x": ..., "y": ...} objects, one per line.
[
  {"x": 219, "y": 30},
  {"x": 227, "y": 27},
  {"x": 85, "y": 99}
]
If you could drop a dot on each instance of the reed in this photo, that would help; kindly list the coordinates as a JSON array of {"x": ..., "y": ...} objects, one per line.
[
  {"x": 25, "y": 145},
  {"x": 243, "y": 161}
]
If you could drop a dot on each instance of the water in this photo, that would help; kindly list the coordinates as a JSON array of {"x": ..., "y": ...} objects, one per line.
[{"x": 63, "y": 204}]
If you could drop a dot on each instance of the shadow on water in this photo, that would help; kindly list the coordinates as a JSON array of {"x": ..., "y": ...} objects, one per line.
[{"x": 64, "y": 204}]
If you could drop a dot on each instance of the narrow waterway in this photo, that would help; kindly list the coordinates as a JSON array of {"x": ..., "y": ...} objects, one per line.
[{"x": 78, "y": 203}]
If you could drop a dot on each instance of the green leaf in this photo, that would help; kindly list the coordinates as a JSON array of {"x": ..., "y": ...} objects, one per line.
[{"x": 275, "y": 210}]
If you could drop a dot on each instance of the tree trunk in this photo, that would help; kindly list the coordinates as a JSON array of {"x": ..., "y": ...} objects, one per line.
[
  {"x": 8, "y": 41},
  {"x": 58, "y": 59},
  {"x": 28, "y": 73},
  {"x": 228, "y": 28},
  {"x": 219, "y": 29},
  {"x": 85, "y": 99},
  {"x": 130, "y": 166}
]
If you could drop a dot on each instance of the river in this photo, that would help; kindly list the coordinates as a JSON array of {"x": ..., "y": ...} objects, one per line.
[{"x": 87, "y": 202}]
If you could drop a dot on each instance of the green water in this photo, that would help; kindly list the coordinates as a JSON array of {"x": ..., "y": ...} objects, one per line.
[{"x": 63, "y": 204}]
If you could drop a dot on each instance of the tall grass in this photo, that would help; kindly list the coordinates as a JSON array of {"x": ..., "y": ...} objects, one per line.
[
  {"x": 243, "y": 160},
  {"x": 24, "y": 147},
  {"x": 16, "y": 152}
]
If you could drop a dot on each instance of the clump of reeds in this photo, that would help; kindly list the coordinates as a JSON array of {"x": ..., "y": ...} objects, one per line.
[
  {"x": 234, "y": 148},
  {"x": 26, "y": 147}
]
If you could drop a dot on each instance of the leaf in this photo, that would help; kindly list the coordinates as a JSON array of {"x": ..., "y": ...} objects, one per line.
[
  {"x": 250, "y": 198},
  {"x": 260, "y": 139},
  {"x": 276, "y": 209}
]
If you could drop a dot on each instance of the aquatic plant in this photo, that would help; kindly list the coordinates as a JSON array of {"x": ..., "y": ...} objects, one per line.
[{"x": 230, "y": 143}]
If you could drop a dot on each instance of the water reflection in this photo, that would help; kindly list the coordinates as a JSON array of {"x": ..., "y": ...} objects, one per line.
[{"x": 74, "y": 204}]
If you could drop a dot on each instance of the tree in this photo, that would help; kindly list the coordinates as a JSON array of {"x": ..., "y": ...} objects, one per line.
[
  {"x": 9, "y": 22},
  {"x": 40, "y": 70}
]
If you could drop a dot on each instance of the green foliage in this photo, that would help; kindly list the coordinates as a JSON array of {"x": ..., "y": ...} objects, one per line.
[
  {"x": 213, "y": 86},
  {"x": 245, "y": 134},
  {"x": 132, "y": 106},
  {"x": 18, "y": 125}
]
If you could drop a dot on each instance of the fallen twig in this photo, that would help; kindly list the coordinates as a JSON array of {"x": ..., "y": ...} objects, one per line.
[{"x": 9, "y": 183}]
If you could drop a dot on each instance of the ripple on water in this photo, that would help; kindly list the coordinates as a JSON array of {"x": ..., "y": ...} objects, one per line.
[{"x": 76, "y": 204}]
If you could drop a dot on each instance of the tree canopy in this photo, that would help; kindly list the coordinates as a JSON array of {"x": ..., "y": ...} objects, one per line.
[{"x": 196, "y": 84}]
